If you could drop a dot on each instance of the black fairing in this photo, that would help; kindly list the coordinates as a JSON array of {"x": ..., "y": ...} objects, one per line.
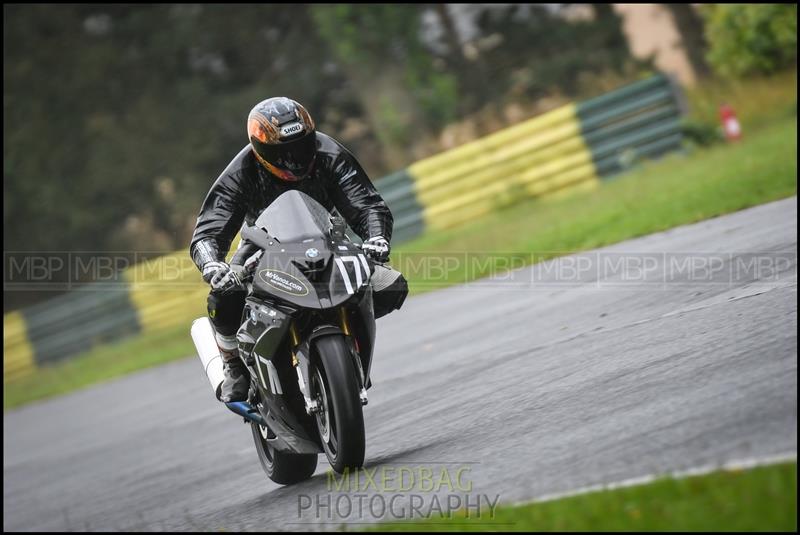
[
  {"x": 302, "y": 263},
  {"x": 291, "y": 285},
  {"x": 264, "y": 346}
]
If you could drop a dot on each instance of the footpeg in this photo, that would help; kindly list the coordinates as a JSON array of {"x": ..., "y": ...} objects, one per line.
[{"x": 247, "y": 411}]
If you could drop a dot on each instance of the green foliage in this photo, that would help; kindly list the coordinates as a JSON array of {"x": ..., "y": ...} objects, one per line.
[
  {"x": 368, "y": 37},
  {"x": 749, "y": 39},
  {"x": 700, "y": 133},
  {"x": 437, "y": 93},
  {"x": 368, "y": 33},
  {"x": 546, "y": 53}
]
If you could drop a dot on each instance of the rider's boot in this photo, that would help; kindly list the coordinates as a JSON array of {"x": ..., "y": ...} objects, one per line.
[{"x": 236, "y": 385}]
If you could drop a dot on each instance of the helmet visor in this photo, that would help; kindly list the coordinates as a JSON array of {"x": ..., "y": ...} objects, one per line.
[{"x": 294, "y": 156}]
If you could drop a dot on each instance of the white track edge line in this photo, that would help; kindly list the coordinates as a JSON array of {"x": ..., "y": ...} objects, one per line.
[{"x": 729, "y": 466}]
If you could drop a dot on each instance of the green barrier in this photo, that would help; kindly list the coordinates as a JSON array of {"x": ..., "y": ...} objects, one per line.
[
  {"x": 641, "y": 120},
  {"x": 623, "y": 94},
  {"x": 74, "y": 322},
  {"x": 398, "y": 191}
]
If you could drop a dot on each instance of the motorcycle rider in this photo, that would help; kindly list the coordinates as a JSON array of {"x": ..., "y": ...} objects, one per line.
[{"x": 285, "y": 152}]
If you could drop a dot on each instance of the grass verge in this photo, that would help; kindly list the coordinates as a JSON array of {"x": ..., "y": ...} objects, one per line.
[
  {"x": 676, "y": 190},
  {"x": 759, "y": 499},
  {"x": 757, "y": 100}
]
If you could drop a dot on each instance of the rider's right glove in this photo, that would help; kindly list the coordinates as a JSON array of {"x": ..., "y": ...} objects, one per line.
[{"x": 222, "y": 277}]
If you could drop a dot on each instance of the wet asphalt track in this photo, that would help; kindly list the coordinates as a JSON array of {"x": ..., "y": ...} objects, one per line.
[{"x": 527, "y": 388}]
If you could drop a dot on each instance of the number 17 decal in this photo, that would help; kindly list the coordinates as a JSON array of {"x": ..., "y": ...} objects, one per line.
[{"x": 358, "y": 262}]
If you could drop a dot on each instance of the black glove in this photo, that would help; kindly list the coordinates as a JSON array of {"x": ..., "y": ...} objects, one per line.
[
  {"x": 222, "y": 277},
  {"x": 377, "y": 248}
]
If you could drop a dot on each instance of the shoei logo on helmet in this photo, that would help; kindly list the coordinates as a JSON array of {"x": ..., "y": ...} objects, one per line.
[{"x": 291, "y": 129}]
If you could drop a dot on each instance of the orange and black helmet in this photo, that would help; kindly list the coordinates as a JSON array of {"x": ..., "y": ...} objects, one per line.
[{"x": 283, "y": 137}]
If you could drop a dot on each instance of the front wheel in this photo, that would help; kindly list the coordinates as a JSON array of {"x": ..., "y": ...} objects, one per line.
[
  {"x": 282, "y": 467},
  {"x": 340, "y": 420}
]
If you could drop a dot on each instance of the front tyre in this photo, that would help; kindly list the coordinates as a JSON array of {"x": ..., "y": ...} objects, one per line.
[
  {"x": 340, "y": 420},
  {"x": 282, "y": 467}
]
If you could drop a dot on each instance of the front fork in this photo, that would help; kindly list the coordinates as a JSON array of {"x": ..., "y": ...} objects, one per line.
[
  {"x": 362, "y": 380},
  {"x": 312, "y": 406},
  {"x": 303, "y": 379}
]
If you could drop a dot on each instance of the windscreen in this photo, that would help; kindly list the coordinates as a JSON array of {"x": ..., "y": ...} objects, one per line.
[{"x": 293, "y": 217}]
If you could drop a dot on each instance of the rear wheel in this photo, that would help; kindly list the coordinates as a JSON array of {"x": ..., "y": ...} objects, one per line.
[
  {"x": 282, "y": 467},
  {"x": 340, "y": 420}
]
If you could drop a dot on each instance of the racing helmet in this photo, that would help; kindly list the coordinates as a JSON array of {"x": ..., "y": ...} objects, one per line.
[{"x": 283, "y": 138}]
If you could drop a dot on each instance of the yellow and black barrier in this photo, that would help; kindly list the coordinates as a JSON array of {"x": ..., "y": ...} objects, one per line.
[
  {"x": 166, "y": 291},
  {"x": 17, "y": 350}
]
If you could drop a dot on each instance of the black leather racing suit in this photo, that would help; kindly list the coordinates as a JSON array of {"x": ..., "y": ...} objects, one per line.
[{"x": 245, "y": 188}]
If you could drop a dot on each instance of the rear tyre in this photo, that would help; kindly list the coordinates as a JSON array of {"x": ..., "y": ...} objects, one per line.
[
  {"x": 335, "y": 387},
  {"x": 282, "y": 467}
]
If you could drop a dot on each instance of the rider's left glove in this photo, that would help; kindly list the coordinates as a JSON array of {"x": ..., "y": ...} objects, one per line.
[{"x": 377, "y": 248}]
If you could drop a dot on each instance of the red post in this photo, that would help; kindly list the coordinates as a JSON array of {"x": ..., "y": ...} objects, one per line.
[{"x": 730, "y": 124}]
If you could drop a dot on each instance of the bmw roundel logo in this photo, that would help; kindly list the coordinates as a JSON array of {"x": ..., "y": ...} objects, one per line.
[{"x": 312, "y": 253}]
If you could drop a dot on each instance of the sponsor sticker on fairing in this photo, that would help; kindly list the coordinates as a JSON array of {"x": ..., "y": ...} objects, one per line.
[{"x": 283, "y": 281}]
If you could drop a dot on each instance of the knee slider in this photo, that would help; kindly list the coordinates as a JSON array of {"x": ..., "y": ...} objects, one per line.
[{"x": 390, "y": 297}]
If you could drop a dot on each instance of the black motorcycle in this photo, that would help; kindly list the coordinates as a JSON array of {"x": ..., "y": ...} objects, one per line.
[{"x": 307, "y": 337}]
